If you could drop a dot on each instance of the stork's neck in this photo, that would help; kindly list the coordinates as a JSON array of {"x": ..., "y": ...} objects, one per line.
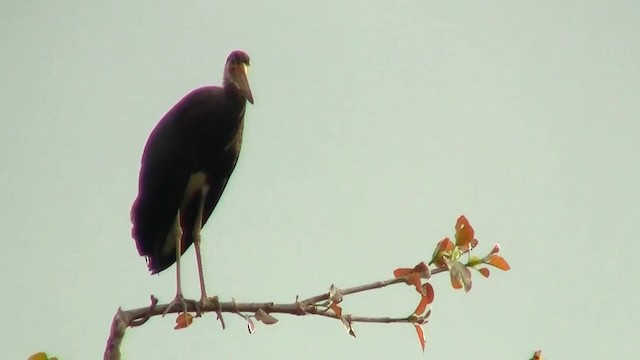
[
  {"x": 230, "y": 86},
  {"x": 226, "y": 77}
]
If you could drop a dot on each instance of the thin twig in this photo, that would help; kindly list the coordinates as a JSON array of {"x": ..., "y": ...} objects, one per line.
[{"x": 147, "y": 316}]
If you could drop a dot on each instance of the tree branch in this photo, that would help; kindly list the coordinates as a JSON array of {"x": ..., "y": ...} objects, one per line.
[
  {"x": 446, "y": 257},
  {"x": 309, "y": 306}
]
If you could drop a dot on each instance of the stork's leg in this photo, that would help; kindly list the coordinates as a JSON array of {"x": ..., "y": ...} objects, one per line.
[
  {"x": 179, "y": 299},
  {"x": 196, "y": 243}
]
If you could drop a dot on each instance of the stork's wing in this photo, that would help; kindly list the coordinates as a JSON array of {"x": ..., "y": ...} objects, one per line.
[{"x": 167, "y": 162}]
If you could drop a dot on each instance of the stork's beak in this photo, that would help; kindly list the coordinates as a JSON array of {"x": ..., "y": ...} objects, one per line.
[{"x": 243, "y": 82}]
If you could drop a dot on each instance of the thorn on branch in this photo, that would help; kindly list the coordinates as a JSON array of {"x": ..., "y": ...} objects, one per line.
[
  {"x": 299, "y": 309},
  {"x": 218, "y": 309}
]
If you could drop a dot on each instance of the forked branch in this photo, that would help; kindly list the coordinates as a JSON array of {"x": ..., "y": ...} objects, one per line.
[
  {"x": 447, "y": 257},
  {"x": 310, "y": 306}
]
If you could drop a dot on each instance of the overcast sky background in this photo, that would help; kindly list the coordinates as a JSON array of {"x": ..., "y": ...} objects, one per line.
[{"x": 375, "y": 125}]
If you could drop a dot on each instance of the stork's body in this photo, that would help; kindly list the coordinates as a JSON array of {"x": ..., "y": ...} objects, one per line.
[{"x": 186, "y": 164}]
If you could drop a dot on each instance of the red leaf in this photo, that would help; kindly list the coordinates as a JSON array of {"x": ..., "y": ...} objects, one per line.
[
  {"x": 470, "y": 246},
  {"x": 464, "y": 232},
  {"x": 484, "y": 272},
  {"x": 422, "y": 306},
  {"x": 400, "y": 272},
  {"x": 425, "y": 300},
  {"x": 497, "y": 261},
  {"x": 416, "y": 281},
  {"x": 423, "y": 270},
  {"x": 183, "y": 320},
  {"x": 421, "y": 337},
  {"x": 414, "y": 276},
  {"x": 444, "y": 247},
  {"x": 420, "y": 268},
  {"x": 429, "y": 293}
]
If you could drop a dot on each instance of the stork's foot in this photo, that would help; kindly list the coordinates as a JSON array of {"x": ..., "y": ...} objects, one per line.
[
  {"x": 204, "y": 301},
  {"x": 203, "y": 304},
  {"x": 177, "y": 301},
  {"x": 208, "y": 301}
]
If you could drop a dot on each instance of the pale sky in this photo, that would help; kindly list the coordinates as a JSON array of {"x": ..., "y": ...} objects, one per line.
[{"x": 375, "y": 125}]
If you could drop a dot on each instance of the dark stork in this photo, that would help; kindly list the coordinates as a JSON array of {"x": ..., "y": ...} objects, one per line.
[{"x": 186, "y": 164}]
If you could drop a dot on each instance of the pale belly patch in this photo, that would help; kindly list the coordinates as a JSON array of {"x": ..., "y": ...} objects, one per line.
[{"x": 197, "y": 182}]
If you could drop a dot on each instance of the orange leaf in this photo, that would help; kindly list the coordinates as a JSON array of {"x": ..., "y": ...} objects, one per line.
[
  {"x": 421, "y": 337},
  {"x": 336, "y": 309},
  {"x": 39, "y": 356},
  {"x": 470, "y": 246},
  {"x": 448, "y": 244},
  {"x": 497, "y": 261},
  {"x": 464, "y": 232},
  {"x": 455, "y": 283},
  {"x": 444, "y": 246},
  {"x": 400, "y": 272},
  {"x": 414, "y": 276},
  {"x": 484, "y": 271},
  {"x": 537, "y": 355},
  {"x": 422, "y": 306},
  {"x": 425, "y": 300},
  {"x": 429, "y": 293},
  {"x": 416, "y": 281},
  {"x": 183, "y": 320},
  {"x": 420, "y": 268}
]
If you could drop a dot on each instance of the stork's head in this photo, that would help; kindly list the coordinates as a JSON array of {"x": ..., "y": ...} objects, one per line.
[{"x": 235, "y": 72}]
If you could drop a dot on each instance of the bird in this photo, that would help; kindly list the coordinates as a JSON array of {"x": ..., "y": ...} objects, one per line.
[{"x": 185, "y": 166}]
